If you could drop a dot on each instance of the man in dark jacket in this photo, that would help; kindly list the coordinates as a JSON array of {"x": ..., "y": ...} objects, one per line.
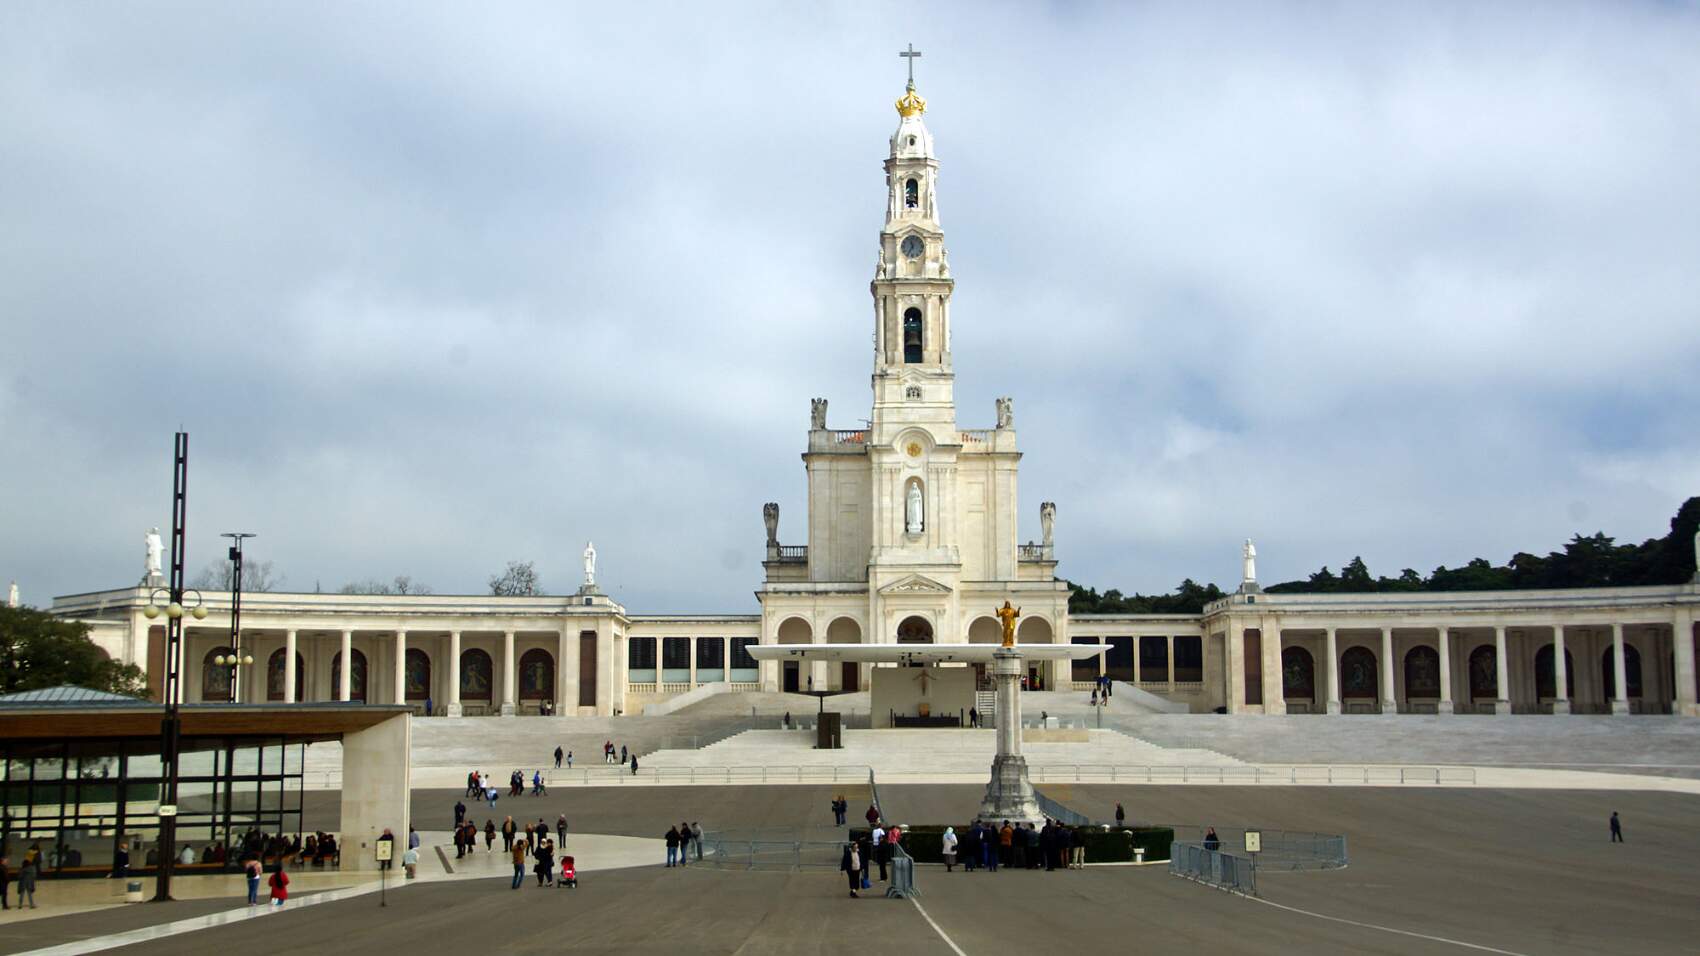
[{"x": 672, "y": 845}]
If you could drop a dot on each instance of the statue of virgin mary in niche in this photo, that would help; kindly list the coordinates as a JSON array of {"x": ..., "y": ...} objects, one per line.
[{"x": 914, "y": 511}]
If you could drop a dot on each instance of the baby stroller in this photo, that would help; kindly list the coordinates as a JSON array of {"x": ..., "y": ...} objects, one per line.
[{"x": 569, "y": 873}]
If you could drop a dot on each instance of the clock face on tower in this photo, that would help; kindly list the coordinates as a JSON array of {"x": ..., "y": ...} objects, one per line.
[{"x": 913, "y": 247}]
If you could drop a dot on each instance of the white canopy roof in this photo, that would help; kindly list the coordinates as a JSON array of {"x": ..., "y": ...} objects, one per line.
[{"x": 919, "y": 653}]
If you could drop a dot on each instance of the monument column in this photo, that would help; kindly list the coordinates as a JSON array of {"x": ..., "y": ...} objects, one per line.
[
  {"x": 401, "y": 666},
  {"x": 1560, "y": 673},
  {"x": 289, "y": 666},
  {"x": 1501, "y": 673},
  {"x": 508, "y": 674},
  {"x": 1333, "y": 673},
  {"x": 1620, "y": 703},
  {"x": 1389, "y": 693},
  {"x": 1445, "y": 705},
  {"x": 1682, "y": 646},
  {"x": 454, "y": 674},
  {"x": 345, "y": 680}
]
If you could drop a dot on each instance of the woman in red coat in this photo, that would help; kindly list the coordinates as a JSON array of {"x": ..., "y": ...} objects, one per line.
[{"x": 280, "y": 885}]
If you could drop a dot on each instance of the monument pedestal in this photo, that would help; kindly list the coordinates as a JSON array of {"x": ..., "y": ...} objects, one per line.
[{"x": 1009, "y": 794}]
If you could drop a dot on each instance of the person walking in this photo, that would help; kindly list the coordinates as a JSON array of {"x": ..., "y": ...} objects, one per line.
[
  {"x": 489, "y": 835},
  {"x": 517, "y": 852},
  {"x": 851, "y": 864},
  {"x": 569, "y": 760},
  {"x": 948, "y": 844},
  {"x": 545, "y": 862},
  {"x": 460, "y": 812},
  {"x": 973, "y": 717},
  {"x": 873, "y": 815},
  {"x": 1616, "y": 828},
  {"x": 251, "y": 869},
  {"x": 561, "y": 829},
  {"x": 1121, "y": 816},
  {"x": 1211, "y": 841},
  {"x": 672, "y": 845},
  {"x": 559, "y": 753},
  {"x": 634, "y": 764},
  {"x": 537, "y": 787},
  {"x": 410, "y": 862},
  {"x": 879, "y": 848},
  {"x": 279, "y": 885},
  {"x": 508, "y": 831},
  {"x": 865, "y": 850}
]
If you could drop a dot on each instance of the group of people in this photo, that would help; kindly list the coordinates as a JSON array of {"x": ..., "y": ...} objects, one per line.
[
  {"x": 877, "y": 846},
  {"x": 680, "y": 840},
  {"x": 1018, "y": 846},
  {"x": 1101, "y": 690},
  {"x": 608, "y": 753},
  {"x": 536, "y": 846},
  {"x": 29, "y": 867},
  {"x": 568, "y": 754}
]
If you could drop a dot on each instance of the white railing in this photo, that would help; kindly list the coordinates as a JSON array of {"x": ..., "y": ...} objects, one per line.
[
  {"x": 738, "y": 685},
  {"x": 645, "y": 688},
  {"x": 675, "y": 687},
  {"x": 977, "y": 436},
  {"x": 849, "y": 437}
]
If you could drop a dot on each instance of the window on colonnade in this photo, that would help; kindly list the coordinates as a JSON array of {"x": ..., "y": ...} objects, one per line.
[
  {"x": 1189, "y": 658},
  {"x": 640, "y": 660},
  {"x": 1154, "y": 658},
  {"x": 675, "y": 659},
  {"x": 477, "y": 675},
  {"x": 537, "y": 675},
  {"x": 744, "y": 667}
]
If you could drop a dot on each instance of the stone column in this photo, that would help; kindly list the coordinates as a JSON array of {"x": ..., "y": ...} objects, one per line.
[
  {"x": 345, "y": 680},
  {"x": 508, "y": 708},
  {"x": 1389, "y": 692},
  {"x": 1445, "y": 705},
  {"x": 1682, "y": 636},
  {"x": 1560, "y": 673},
  {"x": 1171, "y": 640},
  {"x": 1333, "y": 672},
  {"x": 454, "y": 675},
  {"x": 1501, "y": 673},
  {"x": 400, "y": 666},
  {"x": 289, "y": 666},
  {"x": 1274, "y": 685},
  {"x": 564, "y": 704},
  {"x": 1620, "y": 704}
]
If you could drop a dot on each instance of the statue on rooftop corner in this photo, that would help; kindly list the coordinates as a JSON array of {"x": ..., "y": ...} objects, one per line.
[
  {"x": 817, "y": 414},
  {"x": 155, "y": 550},
  {"x": 1006, "y": 412},
  {"x": 589, "y": 564},
  {"x": 1250, "y": 557},
  {"x": 1007, "y": 615},
  {"x": 1047, "y": 519},
  {"x": 770, "y": 517}
]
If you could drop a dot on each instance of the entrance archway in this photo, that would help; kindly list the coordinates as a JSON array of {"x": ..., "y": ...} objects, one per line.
[
  {"x": 1484, "y": 673},
  {"x": 793, "y": 630},
  {"x": 915, "y": 629},
  {"x": 1422, "y": 673},
  {"x": 1358, "y": 678},
  {"x": 845, "y": 630},
  {"x": 1037, "y": 630},
  {"x": 1298, "y": 675}
]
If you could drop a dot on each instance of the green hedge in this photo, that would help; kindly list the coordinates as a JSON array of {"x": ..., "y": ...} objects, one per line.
[{"x": 925, "y": 843}]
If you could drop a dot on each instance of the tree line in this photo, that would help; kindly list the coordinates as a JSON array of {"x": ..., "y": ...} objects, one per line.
[{"x": 1586, "y": 561}]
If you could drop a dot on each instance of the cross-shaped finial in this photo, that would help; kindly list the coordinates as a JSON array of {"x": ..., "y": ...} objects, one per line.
[{"x": 910, "y": 55}]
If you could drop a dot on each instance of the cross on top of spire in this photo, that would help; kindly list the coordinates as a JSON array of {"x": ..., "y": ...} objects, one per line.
[{"x": 910, "y": 55}]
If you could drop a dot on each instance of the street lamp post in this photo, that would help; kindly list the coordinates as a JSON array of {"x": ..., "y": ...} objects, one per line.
[
  {"x": 235, "y": 659},
  {"x": 168, "y": 728}
]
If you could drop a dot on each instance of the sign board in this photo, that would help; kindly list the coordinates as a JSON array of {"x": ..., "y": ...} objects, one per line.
[
  {"x": 1253, "y": 841},
  {"x": 385, "y": 848},
  {"x": 168, "y": 809}
]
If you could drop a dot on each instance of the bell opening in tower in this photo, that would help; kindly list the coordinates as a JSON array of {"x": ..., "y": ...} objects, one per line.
[
  {"x": 912, "y": 337},
  {"x": 911, "y": 194}
]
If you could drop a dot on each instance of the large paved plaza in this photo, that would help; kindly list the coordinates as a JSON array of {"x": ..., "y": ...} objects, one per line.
[{"x": 1513, "y": 871}]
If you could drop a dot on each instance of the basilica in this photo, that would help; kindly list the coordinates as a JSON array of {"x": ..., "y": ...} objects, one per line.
[{"x": 911, "y": 538}]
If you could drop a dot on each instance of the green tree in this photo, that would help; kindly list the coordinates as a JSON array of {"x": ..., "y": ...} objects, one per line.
[{"x": 38, "y": 650}]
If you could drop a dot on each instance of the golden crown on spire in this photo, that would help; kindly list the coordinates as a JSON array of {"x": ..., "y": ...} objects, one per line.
[{"x": 911, "y": 104}]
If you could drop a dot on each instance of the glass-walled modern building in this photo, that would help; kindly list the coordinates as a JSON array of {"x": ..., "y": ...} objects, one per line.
[{"x": 82, "y": 777}]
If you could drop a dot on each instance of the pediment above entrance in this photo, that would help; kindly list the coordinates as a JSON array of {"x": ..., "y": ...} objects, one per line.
[{"x": 915, "y": 584}]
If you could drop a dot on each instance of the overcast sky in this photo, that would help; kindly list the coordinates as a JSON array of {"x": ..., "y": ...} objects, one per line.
[{"x": 435, "y": 286}]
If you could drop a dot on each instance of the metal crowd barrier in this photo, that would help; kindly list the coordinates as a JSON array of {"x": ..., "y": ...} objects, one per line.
[{"x": 1223, "y": 870}]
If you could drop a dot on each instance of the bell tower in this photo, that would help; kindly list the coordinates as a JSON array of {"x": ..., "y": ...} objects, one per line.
[{"x": 913, "y": 382}]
